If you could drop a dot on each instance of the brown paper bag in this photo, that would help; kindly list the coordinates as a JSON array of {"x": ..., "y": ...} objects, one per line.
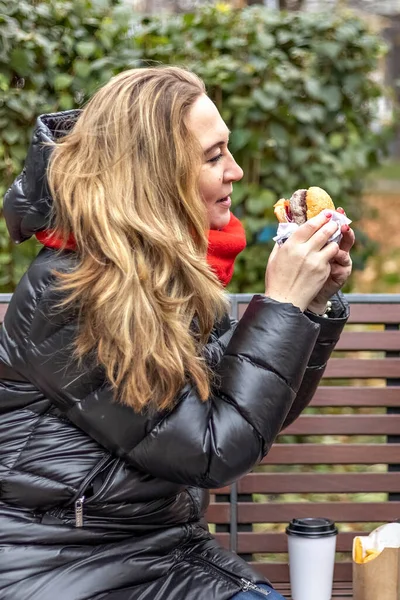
[{"x": 378, "y": 579}]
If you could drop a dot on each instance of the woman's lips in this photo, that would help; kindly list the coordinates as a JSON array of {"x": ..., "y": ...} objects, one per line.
[{"x": 225, "y": 201}]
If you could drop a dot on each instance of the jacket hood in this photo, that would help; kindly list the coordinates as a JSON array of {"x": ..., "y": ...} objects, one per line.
[{"x": 27, "y": 203}]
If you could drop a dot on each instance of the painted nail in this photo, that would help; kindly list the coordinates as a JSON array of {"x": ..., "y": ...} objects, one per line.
[
  {"x": 346, "y": 228},
  {"x": 340, "y": 210},
  {"x": 328, "y": 214}
]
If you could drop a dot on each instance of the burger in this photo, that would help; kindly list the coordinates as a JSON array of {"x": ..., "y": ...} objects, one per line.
[{"x": 303, "y": 205}]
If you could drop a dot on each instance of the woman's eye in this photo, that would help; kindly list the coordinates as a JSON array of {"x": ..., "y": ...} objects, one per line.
[{"x": 215, "y": 158}]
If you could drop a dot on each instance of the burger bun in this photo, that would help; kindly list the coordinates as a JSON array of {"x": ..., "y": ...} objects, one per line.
[{"x": 317, "y": 200}]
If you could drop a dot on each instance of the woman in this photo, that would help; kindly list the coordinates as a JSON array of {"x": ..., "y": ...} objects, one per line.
[{"x": 126, "y": 390}]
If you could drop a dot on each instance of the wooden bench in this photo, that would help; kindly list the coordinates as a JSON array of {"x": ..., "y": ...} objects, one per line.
[{"x": 340, "y": 459}]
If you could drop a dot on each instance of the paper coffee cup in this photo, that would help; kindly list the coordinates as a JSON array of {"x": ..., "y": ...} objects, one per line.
[{"x": 312, "y": 545}]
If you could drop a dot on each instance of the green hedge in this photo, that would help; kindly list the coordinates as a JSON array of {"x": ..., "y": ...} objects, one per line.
[{"x": 295, "y": 89}]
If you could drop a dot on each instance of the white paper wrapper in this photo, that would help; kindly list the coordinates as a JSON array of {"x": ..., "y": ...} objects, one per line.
[{"x": 285, "y": 230}]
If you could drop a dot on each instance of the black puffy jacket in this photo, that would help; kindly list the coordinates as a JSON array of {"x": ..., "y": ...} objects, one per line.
[{"x": 97, "y": 502}]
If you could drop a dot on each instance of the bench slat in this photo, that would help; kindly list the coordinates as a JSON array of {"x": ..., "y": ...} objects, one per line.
[
  {"x": 369, "y": 340},
  {"x": 345, "y": 425},
  {"x": 341, "y": 454},
  {"x": 355, "y": 368},
  {"x": 336, "y": 594},
  {"x": 281, "y": 483},
  {"x": 279, "y": 512},
  {"x": 279, "y": 572},
  {"x": 375, "y": 313},
  {"x": 341, "y": 590},
  {"x": 356, "y": 396}
]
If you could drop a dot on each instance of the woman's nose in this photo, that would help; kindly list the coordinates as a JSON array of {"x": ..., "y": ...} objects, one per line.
[{"x": 233, "y": 172}]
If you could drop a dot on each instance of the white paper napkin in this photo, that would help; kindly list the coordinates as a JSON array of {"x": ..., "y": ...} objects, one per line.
[{"x": 285, "y": 230}]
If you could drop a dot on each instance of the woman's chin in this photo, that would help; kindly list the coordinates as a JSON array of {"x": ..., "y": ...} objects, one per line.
[{"x": 221, "y": 220}]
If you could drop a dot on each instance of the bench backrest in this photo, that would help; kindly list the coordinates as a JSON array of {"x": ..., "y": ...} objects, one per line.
[{"x": 340, "y": 459}]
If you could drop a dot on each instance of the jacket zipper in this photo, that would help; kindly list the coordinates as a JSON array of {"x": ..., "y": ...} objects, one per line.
[
  {"x": 81, "y": 500},
  {"x": 90, "y": 476},
  {"x": 79, "y": 511},
  {"x": 79, "y": 496},
  {"x": 245, "y": 584},
  {"x": 249, "y": 586}
]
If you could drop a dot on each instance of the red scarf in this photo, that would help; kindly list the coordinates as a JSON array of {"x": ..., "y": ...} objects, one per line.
[{"x": 223, "y": 246}]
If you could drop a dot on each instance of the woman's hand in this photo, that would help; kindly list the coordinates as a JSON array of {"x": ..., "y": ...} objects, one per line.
[
  {"x": 298, "y": 270},
  {"x": 341, "y": 267}
]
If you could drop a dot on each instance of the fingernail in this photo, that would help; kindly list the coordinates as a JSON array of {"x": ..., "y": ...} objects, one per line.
[
  {"x": 346, "y": 228},
  {"x": 340, "y": 210},
  {"x": 328, "y": 214}
]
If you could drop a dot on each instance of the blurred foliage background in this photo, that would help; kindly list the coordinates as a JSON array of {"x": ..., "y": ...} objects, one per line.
[{"x": 296, "y": 89}]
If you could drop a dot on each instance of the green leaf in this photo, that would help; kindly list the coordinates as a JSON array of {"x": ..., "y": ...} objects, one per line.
[
  {"x": 15, "y": 104},
  {"x": 256, "y": 206},
  {"x": 302, "y": 113},
  {"x": 329, "y": 49},
  {"x": 333, "y": 97},
  {"x": 106, "y": 38},
  {"x": 336, "y": 140},
  {"x": 313, "y": 88},
  {"x": 284, "y": 36},
  {"x": 82, "y": 68},
  {"x": 264, "y": 100},
  {"x": 266, "y": 40},
  {"x": 299, "y": 155},
  {"x": 254, "y": 225},
  {"x": 5, "y": 258},
  {"x": 282, "y": 171},
  {"x": 239, "y": 139},
  {"x": 352, "y": 83},
  {"x": 318, "y": 113},
  {"x": 101, "y": 5},
  {"x": 62, "y": 81},
  {"x": 279, "y": 133},
  {"x": 188, "y": 19},
  {"x": 274, "y": 88},
  {"x": 11, "y": 136},
  {"x": 101, "y": 63},
  {"x": 21, "y": 60},
  {"x": 86, "y": 49},
  {"x": 66, "y": 102},
  {"x": 4, "y": 83},
  {"x": 19, "y": 151}
]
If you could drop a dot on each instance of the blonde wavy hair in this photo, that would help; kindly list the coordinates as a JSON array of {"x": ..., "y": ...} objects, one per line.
[{"x": 125, "y": 183}]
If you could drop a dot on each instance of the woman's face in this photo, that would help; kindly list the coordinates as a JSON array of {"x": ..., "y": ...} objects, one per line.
[{"x": 219, "y": 170}]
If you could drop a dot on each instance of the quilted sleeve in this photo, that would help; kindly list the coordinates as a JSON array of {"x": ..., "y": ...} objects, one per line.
[{"x": 329, "y": 334}]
